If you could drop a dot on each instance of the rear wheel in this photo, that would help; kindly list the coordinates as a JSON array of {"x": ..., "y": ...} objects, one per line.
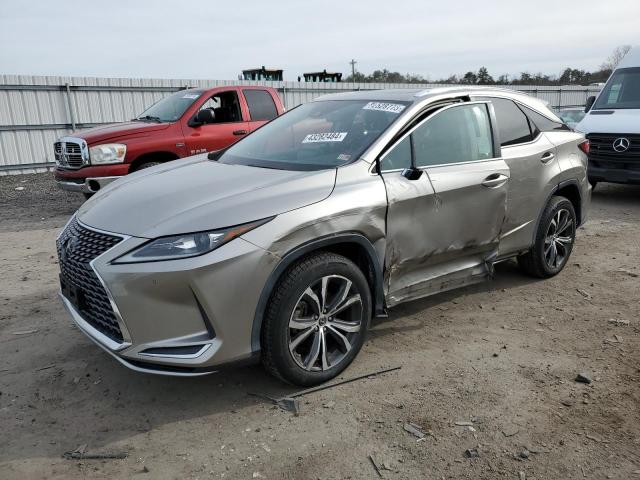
[
  {"x": 554, "y": 240},
  {"x": 317, "y": 320}
]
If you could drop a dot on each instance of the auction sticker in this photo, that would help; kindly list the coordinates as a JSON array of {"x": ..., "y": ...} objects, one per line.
[
  {"x": 324, "y": 137},
  {"x": 192, "y": 96},
  {"x": 384, "y": 107}
]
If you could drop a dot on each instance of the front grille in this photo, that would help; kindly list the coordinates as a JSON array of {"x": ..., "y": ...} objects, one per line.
[
  {"x": 77, "y": 247},
  {"x": 603, "y": 155},
  {"x": 68, "y": 154}
]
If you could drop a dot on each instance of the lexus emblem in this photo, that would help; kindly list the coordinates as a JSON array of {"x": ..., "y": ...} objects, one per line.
[
  {"x": 67, "y": 248},
  {"x": 621, "y": 144}
]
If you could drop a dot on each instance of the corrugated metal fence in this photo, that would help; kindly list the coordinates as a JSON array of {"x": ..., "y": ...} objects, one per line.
[{"x": 35, "y": 110}]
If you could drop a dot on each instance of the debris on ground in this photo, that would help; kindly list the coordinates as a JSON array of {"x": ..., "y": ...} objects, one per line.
[
  {"x": 510, "y": 432},
  {"x": 525, "y": 454},
  {"x": 462, "y": 423},
  {"x": 472, "y": 453},
  {"x": 329, "y": 404},
  {"x": 80, "y": 453},
  {"x": 584, "y": 293},
  {"x": 46, "y": 367},
  {"x": 629, "y": 272},
  {"x": 415, "y": 430},
  {"x": 522, "y": 475},
  {"x": 26, "y": 332},
  {"x": 375, "y": 466},
  {"x": 618, "y": 321},
  {"x": 583, "y": 378}
]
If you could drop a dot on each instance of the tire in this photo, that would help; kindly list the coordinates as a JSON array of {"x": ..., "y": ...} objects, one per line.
[
  {"x": 87, "y": 195},
  {"x": 296, "y": 332},
  {"x": 540, "y": 261},
  {"x": 147, "y": 165}
]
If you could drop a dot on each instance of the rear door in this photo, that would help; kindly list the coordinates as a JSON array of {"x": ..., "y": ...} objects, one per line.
[
  {"x": 443, "y": 226},
  {"x": 261, "y": 106},
  {"x": 533, "y": 163},
  {"x": 228, "y": 125}
]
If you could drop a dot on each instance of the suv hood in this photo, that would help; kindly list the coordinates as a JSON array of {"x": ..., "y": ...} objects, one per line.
[
  {"x": 118, "y": 130},
  {"x": 199, "y": 194},
  {"x": 618, "y": 121}
]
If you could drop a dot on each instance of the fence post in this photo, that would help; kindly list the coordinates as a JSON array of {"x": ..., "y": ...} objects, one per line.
[
  {"x": 72, "y": 116},
  {"x": 559, "y": 97}
]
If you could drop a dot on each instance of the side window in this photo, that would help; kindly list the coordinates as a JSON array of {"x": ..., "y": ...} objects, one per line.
[
  {"x": 398, "y": 158},
  {"x": 225, "y": 107},
  {"x": 513, "y": 126},
  {"x": 261, "y": 105},
  {"x": 458, "y": 134},
  {"x": 543, "y": 123}
]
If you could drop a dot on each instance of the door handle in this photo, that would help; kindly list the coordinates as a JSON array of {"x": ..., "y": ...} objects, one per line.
[
  {"x": 239, "y": 132},
  {"x": 547, "y": 157},
  {"x": 495, "y": 180}
]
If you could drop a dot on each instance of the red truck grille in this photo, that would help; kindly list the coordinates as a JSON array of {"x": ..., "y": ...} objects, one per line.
[{"x": 68, "y": 154}]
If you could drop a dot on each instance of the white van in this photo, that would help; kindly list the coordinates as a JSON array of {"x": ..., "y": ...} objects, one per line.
[{"x": 612, "y": 125}]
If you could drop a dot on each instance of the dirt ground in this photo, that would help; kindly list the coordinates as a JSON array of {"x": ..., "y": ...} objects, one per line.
[{"x": 501, "y": 356}]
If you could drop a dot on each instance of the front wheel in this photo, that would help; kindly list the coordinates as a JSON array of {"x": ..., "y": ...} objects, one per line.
[
  {"x": 317, "y": 320},
  {"x": 554, "y": 240}
]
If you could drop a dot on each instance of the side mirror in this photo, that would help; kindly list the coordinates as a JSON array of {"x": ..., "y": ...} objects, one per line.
[
  {"x": 411, "y": 173},
  {"x": 590, "y": 101},
  {"x": 202, "y": 118}
]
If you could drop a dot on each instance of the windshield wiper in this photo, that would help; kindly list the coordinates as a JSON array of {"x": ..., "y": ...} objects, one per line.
[{"x": 151, "y": 118}]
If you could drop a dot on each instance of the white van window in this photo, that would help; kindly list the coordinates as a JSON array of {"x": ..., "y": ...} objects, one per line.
[{"x": 622, "y": 90}]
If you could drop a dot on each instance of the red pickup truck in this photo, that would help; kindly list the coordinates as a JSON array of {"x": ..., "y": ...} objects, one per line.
[{"x": 183, "y": 124}]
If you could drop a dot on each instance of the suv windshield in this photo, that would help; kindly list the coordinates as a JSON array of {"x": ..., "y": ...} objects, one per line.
[
  {"x": 171, "y": 108},
  {"x": 622, "y": 90},
  {"x": 316, "y": 135}
]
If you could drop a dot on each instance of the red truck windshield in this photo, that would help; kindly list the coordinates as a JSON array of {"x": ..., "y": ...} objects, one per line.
[{"x": 171, "y": 108}]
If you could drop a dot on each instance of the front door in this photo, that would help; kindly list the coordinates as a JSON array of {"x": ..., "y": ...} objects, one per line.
[
  {"x": 227, "y": 127},
  {"x": 444, "y": 219}
]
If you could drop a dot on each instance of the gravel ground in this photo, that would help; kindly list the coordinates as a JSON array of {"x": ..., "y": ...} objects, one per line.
[{"x": 499, "y": 358}]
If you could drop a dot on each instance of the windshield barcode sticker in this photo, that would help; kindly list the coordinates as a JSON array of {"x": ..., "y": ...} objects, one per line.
[
  {"x": 384, "y": 107},
  {"x": 192, "y": 96},
  {"x": 324, "y": 137}
]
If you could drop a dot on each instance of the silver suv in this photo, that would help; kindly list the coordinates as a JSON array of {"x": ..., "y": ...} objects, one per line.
[{"x": 284, "y": 246}]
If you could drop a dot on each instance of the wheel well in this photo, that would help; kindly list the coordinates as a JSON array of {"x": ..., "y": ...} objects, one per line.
[
  {"x": 152, "y": 157},
  {"x": 355, "y": 247},
  {"x": 572, "y": 193}
]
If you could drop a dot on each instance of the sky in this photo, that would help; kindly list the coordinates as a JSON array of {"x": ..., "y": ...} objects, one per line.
[{"x": 200, "y": 39}]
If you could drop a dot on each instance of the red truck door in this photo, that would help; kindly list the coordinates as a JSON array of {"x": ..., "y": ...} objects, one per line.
[
  {"x": 262, "y": 107},
  {"x": 228, "y": 126}
]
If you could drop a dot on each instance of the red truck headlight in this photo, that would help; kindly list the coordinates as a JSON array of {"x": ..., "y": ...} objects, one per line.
[{"x": 107, "y": 153}]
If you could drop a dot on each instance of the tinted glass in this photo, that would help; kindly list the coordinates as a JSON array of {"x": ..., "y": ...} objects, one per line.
[
  {"x": 316, "y": 135},
  {"x": 399, "y": 157},
  {"x": 513, "y": 126},
  {"x": 261, "y": 105},
  {"x": 543, "y": 123},
  {"x": 225, "y": 107},
  {"x": 171, "y": 108},
  {"x": 458, "y": 134},
  {"x": 622, "y": 90}
]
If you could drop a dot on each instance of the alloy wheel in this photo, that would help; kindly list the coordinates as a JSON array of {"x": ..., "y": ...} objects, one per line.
[
  {"x": 325, "y": 323},
  {"x": 559, "y": 238}
]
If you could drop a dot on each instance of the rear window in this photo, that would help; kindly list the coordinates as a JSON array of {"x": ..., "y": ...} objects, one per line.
[
  {"x": 621, "y": 91},
  {"x": 261, "y": 104}
]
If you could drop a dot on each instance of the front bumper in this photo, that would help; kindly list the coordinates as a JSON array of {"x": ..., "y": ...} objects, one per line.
[
  {"x": 181, "y": 317},
  {"x": 84, "y": 185},
  {"x": 614, "y": 175}
]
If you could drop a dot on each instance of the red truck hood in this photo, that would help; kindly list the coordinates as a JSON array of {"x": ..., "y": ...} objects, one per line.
[{"x": 118, "y": 130}]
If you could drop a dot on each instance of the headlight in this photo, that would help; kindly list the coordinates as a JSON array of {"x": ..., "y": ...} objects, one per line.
[
  {"x": 188, "y": 245},
  {"x": 107, "y": 153}
]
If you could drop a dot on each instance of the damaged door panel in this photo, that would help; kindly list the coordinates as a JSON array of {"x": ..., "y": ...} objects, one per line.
[{"x": 443, "y": 228}]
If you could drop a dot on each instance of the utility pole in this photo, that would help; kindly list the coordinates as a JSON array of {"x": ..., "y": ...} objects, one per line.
[{"x": 353, "y": 67}]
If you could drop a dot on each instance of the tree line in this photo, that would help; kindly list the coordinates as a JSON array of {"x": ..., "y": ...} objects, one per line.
[{"x": 569, "y": 76}]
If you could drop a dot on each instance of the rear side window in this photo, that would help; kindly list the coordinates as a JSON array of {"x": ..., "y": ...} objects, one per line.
[
  {"x": 543, "y": 123},
  {"x": 457, "y": 134},
  {"x": 513, "y": 125},
  {"x": 261, "y": 105}
]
